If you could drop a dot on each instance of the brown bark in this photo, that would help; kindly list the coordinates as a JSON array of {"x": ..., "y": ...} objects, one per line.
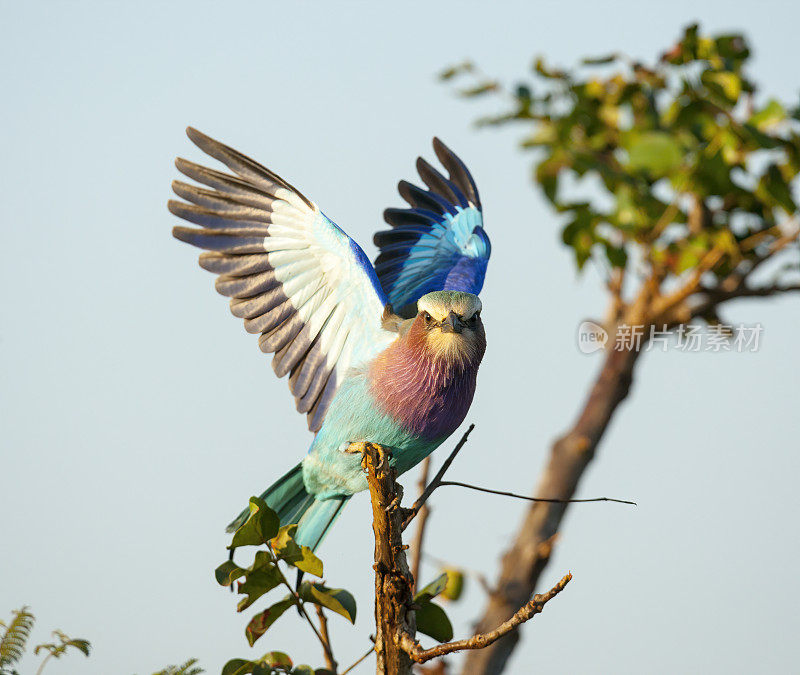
[
  {"x": 393, "y": 582},
  {"x": 524, "y": 562}
]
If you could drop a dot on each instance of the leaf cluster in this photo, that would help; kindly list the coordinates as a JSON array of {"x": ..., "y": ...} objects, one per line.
[
  {"x": 190, "y": 667},
  {"x": 59, "y": 648},
  {"x": 661, "y": 162},
  {"x": 277, "y": 547},
  {"x": 15, "y": 636}
]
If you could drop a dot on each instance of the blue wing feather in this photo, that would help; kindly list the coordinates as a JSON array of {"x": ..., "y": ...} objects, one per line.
[{"x": 439, "y": 242}]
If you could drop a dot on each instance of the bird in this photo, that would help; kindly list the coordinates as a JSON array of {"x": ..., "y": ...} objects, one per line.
[{"x": 360, "y": 370}]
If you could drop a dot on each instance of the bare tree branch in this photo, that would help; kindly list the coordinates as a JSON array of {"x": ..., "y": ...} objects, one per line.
[
  {"x": 718, "y": 296},
  {"x": 663, "y": 304},
  {"x": 482, "y": 640},
  {"x": 359, "y": 660},
  {"x": 530, "y": 552},
  {"x": 330, "y": 662},
  {"x": 414, "y": 510},
  {"x": 301, "y": 607},
  {"x": 395, "y": 643},
  {"x": 394, "y": 615},
  {"x": 422, "y": 520},
  {"x": 515, "y": 495}
]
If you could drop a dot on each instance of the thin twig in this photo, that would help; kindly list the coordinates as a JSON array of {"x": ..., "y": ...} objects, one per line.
[
  {"x": 41, "y": 665},
  {"x": 667, "y": 218},
  {"x": 736, "y": 279},
  {"x": 533, "y": 499},
  {"x": 414, "y": 510},
  {"x": 750, "y": 242},
  {"x": 533, "y": 607},
  {"x": 706, "y": 264},
  {"x": 360, "y": 659},
  {"x": 422, "y": 520},
  {"x": 718, "y": 296},
  {"x": 298, "y": 601},
  {"x": 330, "y": 662},
  {"x": 775, "y": 246}
]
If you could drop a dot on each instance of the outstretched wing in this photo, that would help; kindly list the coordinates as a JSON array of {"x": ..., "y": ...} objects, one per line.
[
  {"x": 292, "y": 274},
  {"x": 439, "y": 242}
]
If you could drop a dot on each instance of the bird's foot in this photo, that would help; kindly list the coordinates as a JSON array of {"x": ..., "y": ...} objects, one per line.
[
  {"x": 356, "y": 448},
  {"x": 363, "y": 448}
]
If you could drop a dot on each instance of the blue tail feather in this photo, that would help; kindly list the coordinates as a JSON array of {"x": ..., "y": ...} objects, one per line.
[
  {"x": 289, "y": 498},
  {"x": 318, "y": 519}
]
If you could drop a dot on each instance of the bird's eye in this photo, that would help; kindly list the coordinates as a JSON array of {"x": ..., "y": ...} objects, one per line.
[
  {"x": 428, "y": 318},
  {"x": 474, "y": 319}
]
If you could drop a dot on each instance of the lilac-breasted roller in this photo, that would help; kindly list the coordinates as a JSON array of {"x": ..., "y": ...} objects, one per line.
[{"x": 360, "y": 371}]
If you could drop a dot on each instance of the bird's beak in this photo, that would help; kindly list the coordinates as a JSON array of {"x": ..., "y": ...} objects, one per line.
[{"x": 452, "y": 324}]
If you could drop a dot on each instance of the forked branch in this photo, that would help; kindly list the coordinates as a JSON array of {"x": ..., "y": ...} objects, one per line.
[
  {"x": 437, "y": 479},
  {"x": 533, "y": 607},
  {"x": 396, "y": 645}
]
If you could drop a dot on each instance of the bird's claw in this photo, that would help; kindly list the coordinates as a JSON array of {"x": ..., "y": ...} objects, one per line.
[{"x": 363, "y": 448}]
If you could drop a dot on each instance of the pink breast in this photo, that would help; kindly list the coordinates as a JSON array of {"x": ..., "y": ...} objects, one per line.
[{"x": 427, "y": 397}]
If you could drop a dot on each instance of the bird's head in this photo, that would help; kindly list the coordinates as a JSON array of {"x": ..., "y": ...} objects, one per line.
[{"x": 449, "y": 325}]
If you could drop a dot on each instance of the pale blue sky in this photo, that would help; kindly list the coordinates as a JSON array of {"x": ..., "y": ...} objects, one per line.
[{"x": 138, "y": 416}]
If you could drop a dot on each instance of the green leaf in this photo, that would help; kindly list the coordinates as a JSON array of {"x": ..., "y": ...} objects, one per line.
[
  {"x": 479, "y": 89},
  {"x": 238, "y": 667},
  {"x": 301, "y": 557},
  {"x": 523, "y": 93},
  {"x": 228, "y": 572},
  {"x": 654, "y": 151},
  {"x": 432, "y": 589},
  {"x": 773, "y": 188},
  {"x": 80, "y": 644},
  {"x": 617, "y": 256},
  {"x": 547, "y": 172},
  {"x": 261, "y": 622},
  {"x": 262, "y": 666},
  {"x": 770, "y": 114},
  {"x": 455, "y": 584},
  {"x": 432, "y": 620},
  {"x": 727, "y": 84},
  {"x": 261, "y": 526},
  {"x": 303, "y": 670},
  {"x": 579, "y": 235},
  {"x": 277, "y": 660},
  {"x": 599, "y": 60},
  {"x": 335, "y": 599},
  {"x": 452, "y": 71},
  {"x": 188, "y": 668},
  {"x": 550, "y": 73},
  {"x": 691, "y": 253},
  {"x": 12, "y": 644},
  {"x": 258, "y": 582}
]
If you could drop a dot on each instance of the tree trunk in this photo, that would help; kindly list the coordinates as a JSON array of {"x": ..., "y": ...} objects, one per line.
[
  {"x": 393, "y": 596},
  {"x": 528, "y": 556}
]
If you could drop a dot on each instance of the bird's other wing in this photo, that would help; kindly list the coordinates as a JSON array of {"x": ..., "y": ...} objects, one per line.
[
  {"x": 439, "y": 242},
  {"x": 292, "y": 274}
]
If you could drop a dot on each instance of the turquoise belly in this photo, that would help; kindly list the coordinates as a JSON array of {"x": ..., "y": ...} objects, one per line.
[{"x": 353, "y": 417}]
